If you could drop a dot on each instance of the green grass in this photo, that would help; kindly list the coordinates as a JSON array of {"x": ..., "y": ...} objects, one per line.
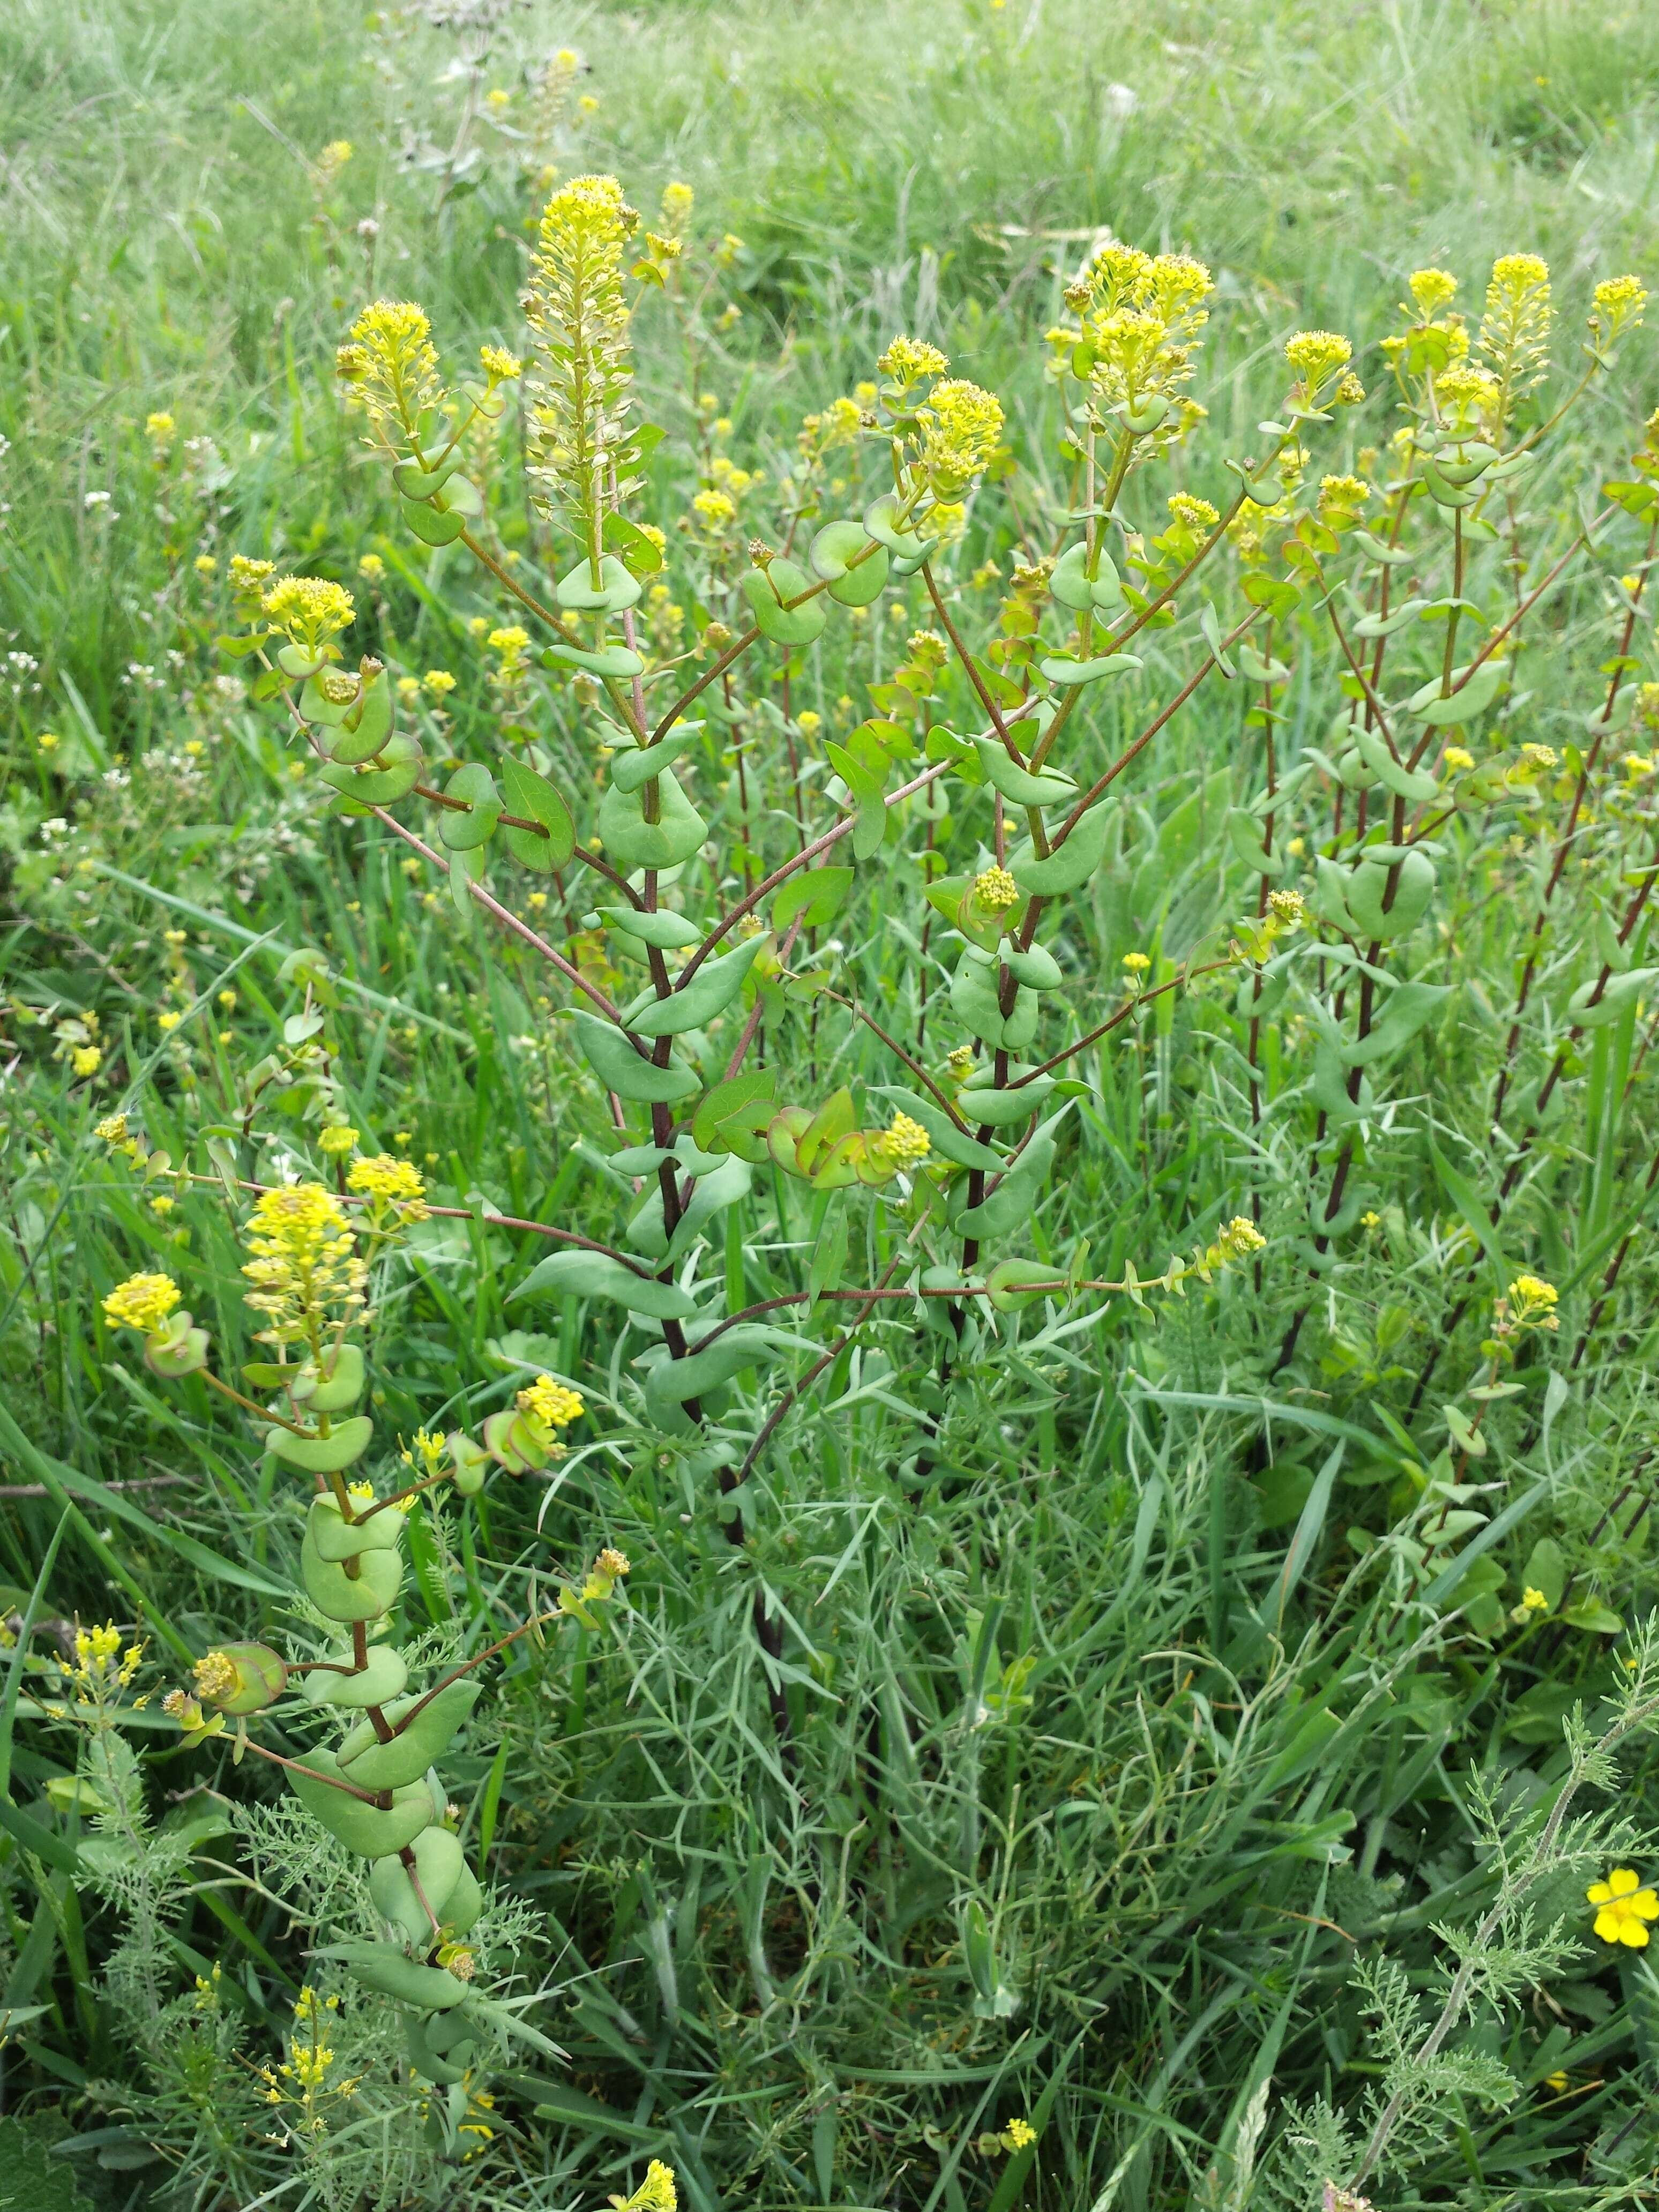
[{"x": 1107, "y": 1765}]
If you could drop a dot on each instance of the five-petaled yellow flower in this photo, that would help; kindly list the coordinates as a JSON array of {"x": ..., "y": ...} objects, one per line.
[{"x": 1623, "y": 1908}]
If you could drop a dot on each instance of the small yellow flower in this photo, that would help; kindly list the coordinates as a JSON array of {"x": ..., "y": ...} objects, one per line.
[
  {"x": 499, "y": 366},
  {"x": 905, "y": 1142},
  {"x": 551, "y": 1404},
  {"x": 809, "y": 723},
  {"x": 1431, "y": 289},
  {"x": 205, "y": 565},
  {"x": 1618, "y": 303},
  {"x": 1197, "y": 514},
  {"x": 1288, "y": 908},
  {"x": 248, "y": 575},
  {"x": 86, "y": 1058},
  {"x": 390, "y": 1181},
  {"x": 159, "y": 429},
  {"x": 1458, "y": 759},
  {"x": 1535, "y": 1600},
  {"x": 1531, "y": 1294},
  {"x": 995, "y": 890},
  {"x": 336, "y": 1142},
  {"x": 1018, "y": 2134},
  {"x": 613, "y": 1563},
  {"x": 907, "y": 361},
  {"x": 1623, "y": 1908},
  {"x": 1316, "y": 356},
  {"x": 112, "y": 1129},
  {"x": 142, "y": 1301},
  {"x": 656, "y": 2193},
  {"x": 308, "y": 610},
  {"x": 47, "y": 740},
  {"x": 1136, "y": 963},
  {"x": 439, "y": 683}
]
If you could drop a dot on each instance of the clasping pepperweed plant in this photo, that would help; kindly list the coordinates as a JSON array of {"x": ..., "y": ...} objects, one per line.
[{"x": 796, "y": 1175}]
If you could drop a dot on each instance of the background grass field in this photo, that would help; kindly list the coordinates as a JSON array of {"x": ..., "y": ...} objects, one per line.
[{"x": 766, "y": 1975}]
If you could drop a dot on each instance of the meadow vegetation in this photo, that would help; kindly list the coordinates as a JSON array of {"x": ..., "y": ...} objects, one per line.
[{"x": 827, "y": 1151}]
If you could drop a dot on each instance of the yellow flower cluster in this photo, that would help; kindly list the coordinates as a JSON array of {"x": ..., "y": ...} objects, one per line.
[
  {"x": 1317, "y": 357},
  {"x": 1431, "y": 289},
  {"x": 1515, "y": 326},
  {"x": 995, "y": 890},
  {"x": 656, "y": 2193},
  {"x": 677, "y": 203},
  {"x": 961, "y": 429},
  {"x": 549, "y": 1405},
  {"x": 499, "y": 366},
  {"x": 1198, "y": 515},
  {"x": 216, "y": 1677},
  {"x": 1237, "y": 1241},
  {"x": 1343, "y": 495},
  {"x": 99, "y": 1663},
  {"x": 1138, "y": 319},
  {"x": 576, "y": 307},
  {"x": 904, "y": 1142},
  {"x": 308, "y": 610},
  {"x": 910, "y": 361},
  {"x": 1532, "y": 1302},
  {"x": 388, "y": 1180},
  {"x": 1618, "y": 304},
  {"x": 304, "y": 1261},
  {"x": 142, "y": 1301},
  {"x": 391, "y": 365}
]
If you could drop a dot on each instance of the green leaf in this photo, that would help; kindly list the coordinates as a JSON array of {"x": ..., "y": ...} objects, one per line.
[
  {"x": 815, "y": 894},
  {"x": 347, "y": 1441},
  {"x": 368, "y": 1830},
  {"x": 383, "y": 785},
  {"x": 1045, "y": 788},
  {"x": 619, "y": 662},
  {"x": 693, "y": 1005},
  {"x": 366, "y": 728},
  {"x": 616, "y": 589},
  {"x": 621, "y": 1068},
  {"x": 1069, "y": 867},
  {"x": 475, "y": 787},
  {"x": 596, "y": 1275},
  {"x": 424, "y": 1727},
  {"x": 1590, "y": 1615},
  {"x": 634, "y": 842},
  {"x": 766, "y": 588}
]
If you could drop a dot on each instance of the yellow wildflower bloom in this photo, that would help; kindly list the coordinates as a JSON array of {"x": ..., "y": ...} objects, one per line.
[
  {"x": 390, "y": 1181},
  {"x": 1623, "y": 1908},
  {"x": 336, "y": 1142},
  {"x": 656, "y": 2193},
  {"x": 1431, "y": 289},
  {"x": 1197, "y": 514},
  {"x": 1316, "y": 356},
  {"x": 908, "y": 361},
  {"x": 304, "y": 1261},
  {"x": 142, "y": 1301},
  {"x": 499, "y": 366},
  {"x": 391, "y": 364},
  {"x": 995, "y": 890},
  {"x": 308, "y": 610},
  {"x": 905, "y": 1142},
  {"x": 550, "y": 1405}
]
